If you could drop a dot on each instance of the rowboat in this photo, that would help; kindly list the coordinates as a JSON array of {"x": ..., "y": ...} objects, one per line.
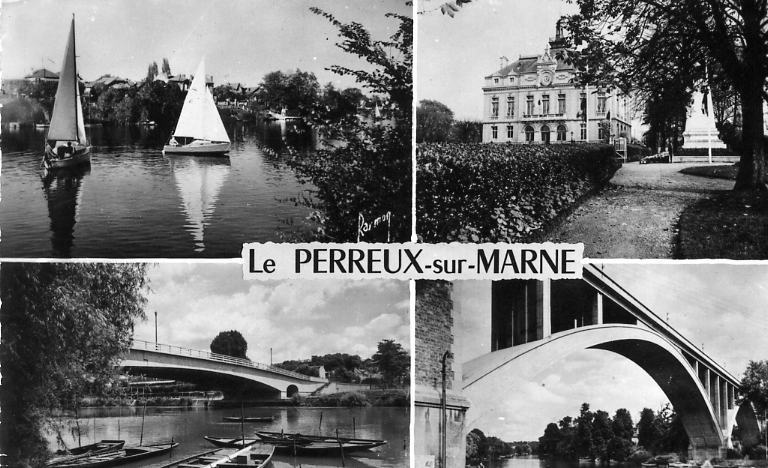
[
  {"x": 302, "y": 444},
  {"x": 327, "y": 448},
  {"x": 257, "y": 457},
  {"x": 249, "y": 418},
  {"x": 66, "y": 142},
  {"x": 199, "y": 130},
  {"x": 96, "y": 448},
  {"x": 229, "y": 442},
  {"x": 306, "y": 438},
  {"x": 248, "y": 456},
  {"x": 120, "y": 457}
]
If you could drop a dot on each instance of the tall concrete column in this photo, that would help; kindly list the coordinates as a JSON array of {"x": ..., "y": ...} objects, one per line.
[
  {"x": 597, "y": 310},
  {"x": 715, "y": 395},
  {"x": 544, "y": 308}
]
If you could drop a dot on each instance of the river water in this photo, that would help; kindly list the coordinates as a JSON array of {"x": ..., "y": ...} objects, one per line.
[
  {"x": 188, "y": 426},
  {"x": 134, "y": 202}
]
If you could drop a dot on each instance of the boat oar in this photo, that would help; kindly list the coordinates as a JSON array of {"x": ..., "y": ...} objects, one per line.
[
  {"x": 341, "y": 447},
  {"x": 143, "y": 414},
  {"x": 242, "y": 419}
]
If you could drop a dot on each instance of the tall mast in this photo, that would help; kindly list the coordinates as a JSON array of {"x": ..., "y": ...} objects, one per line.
[{"x": 77, "y": 85}]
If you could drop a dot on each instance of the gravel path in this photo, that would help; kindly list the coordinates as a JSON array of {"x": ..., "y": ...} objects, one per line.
[{"x": 636, "y": 215}]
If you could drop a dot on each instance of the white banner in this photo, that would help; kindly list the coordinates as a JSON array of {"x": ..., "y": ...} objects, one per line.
[{"x": 412, "y": 261}]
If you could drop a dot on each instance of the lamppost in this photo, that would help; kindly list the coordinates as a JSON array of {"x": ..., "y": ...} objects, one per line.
[
  {"x": 156, "y": 345},
  {"x": 444, "y": 415}
]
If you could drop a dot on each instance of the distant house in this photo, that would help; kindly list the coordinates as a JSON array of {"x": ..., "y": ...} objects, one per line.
[
  {"x": 107, "y": 81},
  {"x": 184, "y": 81},
  {"x": 42, "y": 74}
]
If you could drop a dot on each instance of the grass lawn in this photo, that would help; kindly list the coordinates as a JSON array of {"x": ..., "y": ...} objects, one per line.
[
  {"x": 727, "y": 171},
  {"x": 728, "y": 224}
]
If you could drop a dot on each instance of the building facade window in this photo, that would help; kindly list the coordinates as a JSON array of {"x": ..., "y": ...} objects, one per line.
[
  {"x": 601, "y": 100},
  {"x": 583, "y": 134},
  {"x": 601, "y": 133},
  {"x": 545, "y": 104},
  {"x": 494, "y": 107},
  {"x": 494, "y": 132},
  {"x": 529, "y": 105},
  {"x": 510, "y": 106},
  {"x": 561, "y": 132},
  {"x": 528, "y": 133},
  {"x": 583, "y": 106},
  {"x": 545, "y": 134},
  {"x": 510, "y": 132},
  {"x": 561, "y": 104},
  {"x": 495, "y": 81}
]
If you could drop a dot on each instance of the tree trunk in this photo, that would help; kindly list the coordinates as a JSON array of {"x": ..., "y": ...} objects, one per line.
[{"x": 752, "y": 166}]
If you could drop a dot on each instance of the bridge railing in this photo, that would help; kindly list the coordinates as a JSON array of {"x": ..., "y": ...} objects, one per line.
[{"x": 196, "y": 353}]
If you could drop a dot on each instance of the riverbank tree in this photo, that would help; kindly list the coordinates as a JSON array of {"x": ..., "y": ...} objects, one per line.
[
  {"x": 366, "y": 173},
  {"x": 65, "y": 327},
  {"x": 230, "y": 343}
]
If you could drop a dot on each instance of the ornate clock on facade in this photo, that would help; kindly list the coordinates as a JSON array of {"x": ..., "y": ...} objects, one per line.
[{"x": 545, "y": 79}]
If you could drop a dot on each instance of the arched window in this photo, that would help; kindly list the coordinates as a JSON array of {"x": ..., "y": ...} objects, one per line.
[
  {"x": 528, "y": 133},
  {"x": 291, "y": 390},
  {"x": 561, "y": 132},
  {"x": 545, "y": 134}
]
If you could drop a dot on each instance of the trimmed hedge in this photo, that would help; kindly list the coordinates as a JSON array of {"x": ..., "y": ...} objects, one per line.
[{"x": 492, "y": 192}]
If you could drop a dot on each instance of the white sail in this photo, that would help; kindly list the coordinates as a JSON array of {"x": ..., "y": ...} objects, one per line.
[
  {"x": 199, "y": 117},
  {"x": 67, "y": 122}
]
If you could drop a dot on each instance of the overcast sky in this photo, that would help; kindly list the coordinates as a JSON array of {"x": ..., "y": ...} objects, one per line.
[
  {"x": 296, "y": 318},
  {"x": 455, "y": 54},
  {"x": 723, "y": 307},
  {"x": 242, "y": 40}
]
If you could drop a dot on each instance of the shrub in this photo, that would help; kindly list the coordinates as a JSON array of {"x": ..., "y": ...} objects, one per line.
[
  {"x": 637, "y": 152},
  {"x": 502, "y": 192},
  {"x": 352, "y": 399}
]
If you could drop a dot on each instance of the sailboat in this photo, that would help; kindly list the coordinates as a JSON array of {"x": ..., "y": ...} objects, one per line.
[
  {"x": 66, "y": 143},
  {"x": 200, "y": 129}
]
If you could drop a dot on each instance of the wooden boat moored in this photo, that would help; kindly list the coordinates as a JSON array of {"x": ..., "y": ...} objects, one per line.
[
  {"x": 238, "y": 442},
  {"x": 96, "y": 448},
  {"x": 249, "y": 418},
  {"x": 302, "y": 444},
  {"x": 120, "y": 457},
  {"x": 254, "y": 456}
]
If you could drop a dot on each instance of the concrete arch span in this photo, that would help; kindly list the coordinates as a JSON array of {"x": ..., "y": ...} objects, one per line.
[
  {"x": 649, "y": 350},
  {"x": 239, "y": 379},
  {"x": 233, "y": 386}
]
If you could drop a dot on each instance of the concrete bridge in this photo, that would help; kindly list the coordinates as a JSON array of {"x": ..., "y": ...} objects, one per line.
[
  {"x": 217, "y": 371},
  {"x": 537, "y": 323}
]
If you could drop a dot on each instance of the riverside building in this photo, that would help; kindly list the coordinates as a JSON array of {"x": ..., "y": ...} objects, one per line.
[{"x": 538, "y": 99}]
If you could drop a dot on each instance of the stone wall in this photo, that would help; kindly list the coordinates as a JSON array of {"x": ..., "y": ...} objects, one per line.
[{"x": 435, "y": 321}]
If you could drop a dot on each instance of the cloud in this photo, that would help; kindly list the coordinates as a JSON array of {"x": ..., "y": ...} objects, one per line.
[{"x": 295, "y": 319}]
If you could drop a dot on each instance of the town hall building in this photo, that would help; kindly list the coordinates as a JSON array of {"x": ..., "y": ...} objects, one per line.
[{"x": 537, "y": 99}]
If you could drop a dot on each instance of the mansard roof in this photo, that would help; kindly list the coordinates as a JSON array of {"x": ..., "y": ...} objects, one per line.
[{"x": 527, "y": 64}]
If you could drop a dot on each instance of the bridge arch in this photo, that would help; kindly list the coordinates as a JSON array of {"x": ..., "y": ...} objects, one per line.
[
  {"x": 658, "y": 357},
  {"x": 291, "y": 390}
]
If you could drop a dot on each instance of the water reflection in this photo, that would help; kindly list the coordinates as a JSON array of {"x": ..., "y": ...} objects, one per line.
[
  {"x": 63, "y": 191},
  {"x": 141, "y": 204},
  {"x": 199, "y": 180}
]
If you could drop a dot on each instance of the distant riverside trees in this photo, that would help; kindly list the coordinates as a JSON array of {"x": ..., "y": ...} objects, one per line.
[
  {"x": 389, "y": 366},
  {"x": 595, "y": 435},
  {"x": 230, "y": 343},
  {"x": 65, "y": 327}
]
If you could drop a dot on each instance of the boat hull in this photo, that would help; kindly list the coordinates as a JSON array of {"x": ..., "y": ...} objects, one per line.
[
  {"x": 126, "y": 455},
  {"x": 232, "y": 442},
  {"x": 81, "y": 156},
  {"x": 248, "y": 419},
  {"x": 198, "y": 149}
]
